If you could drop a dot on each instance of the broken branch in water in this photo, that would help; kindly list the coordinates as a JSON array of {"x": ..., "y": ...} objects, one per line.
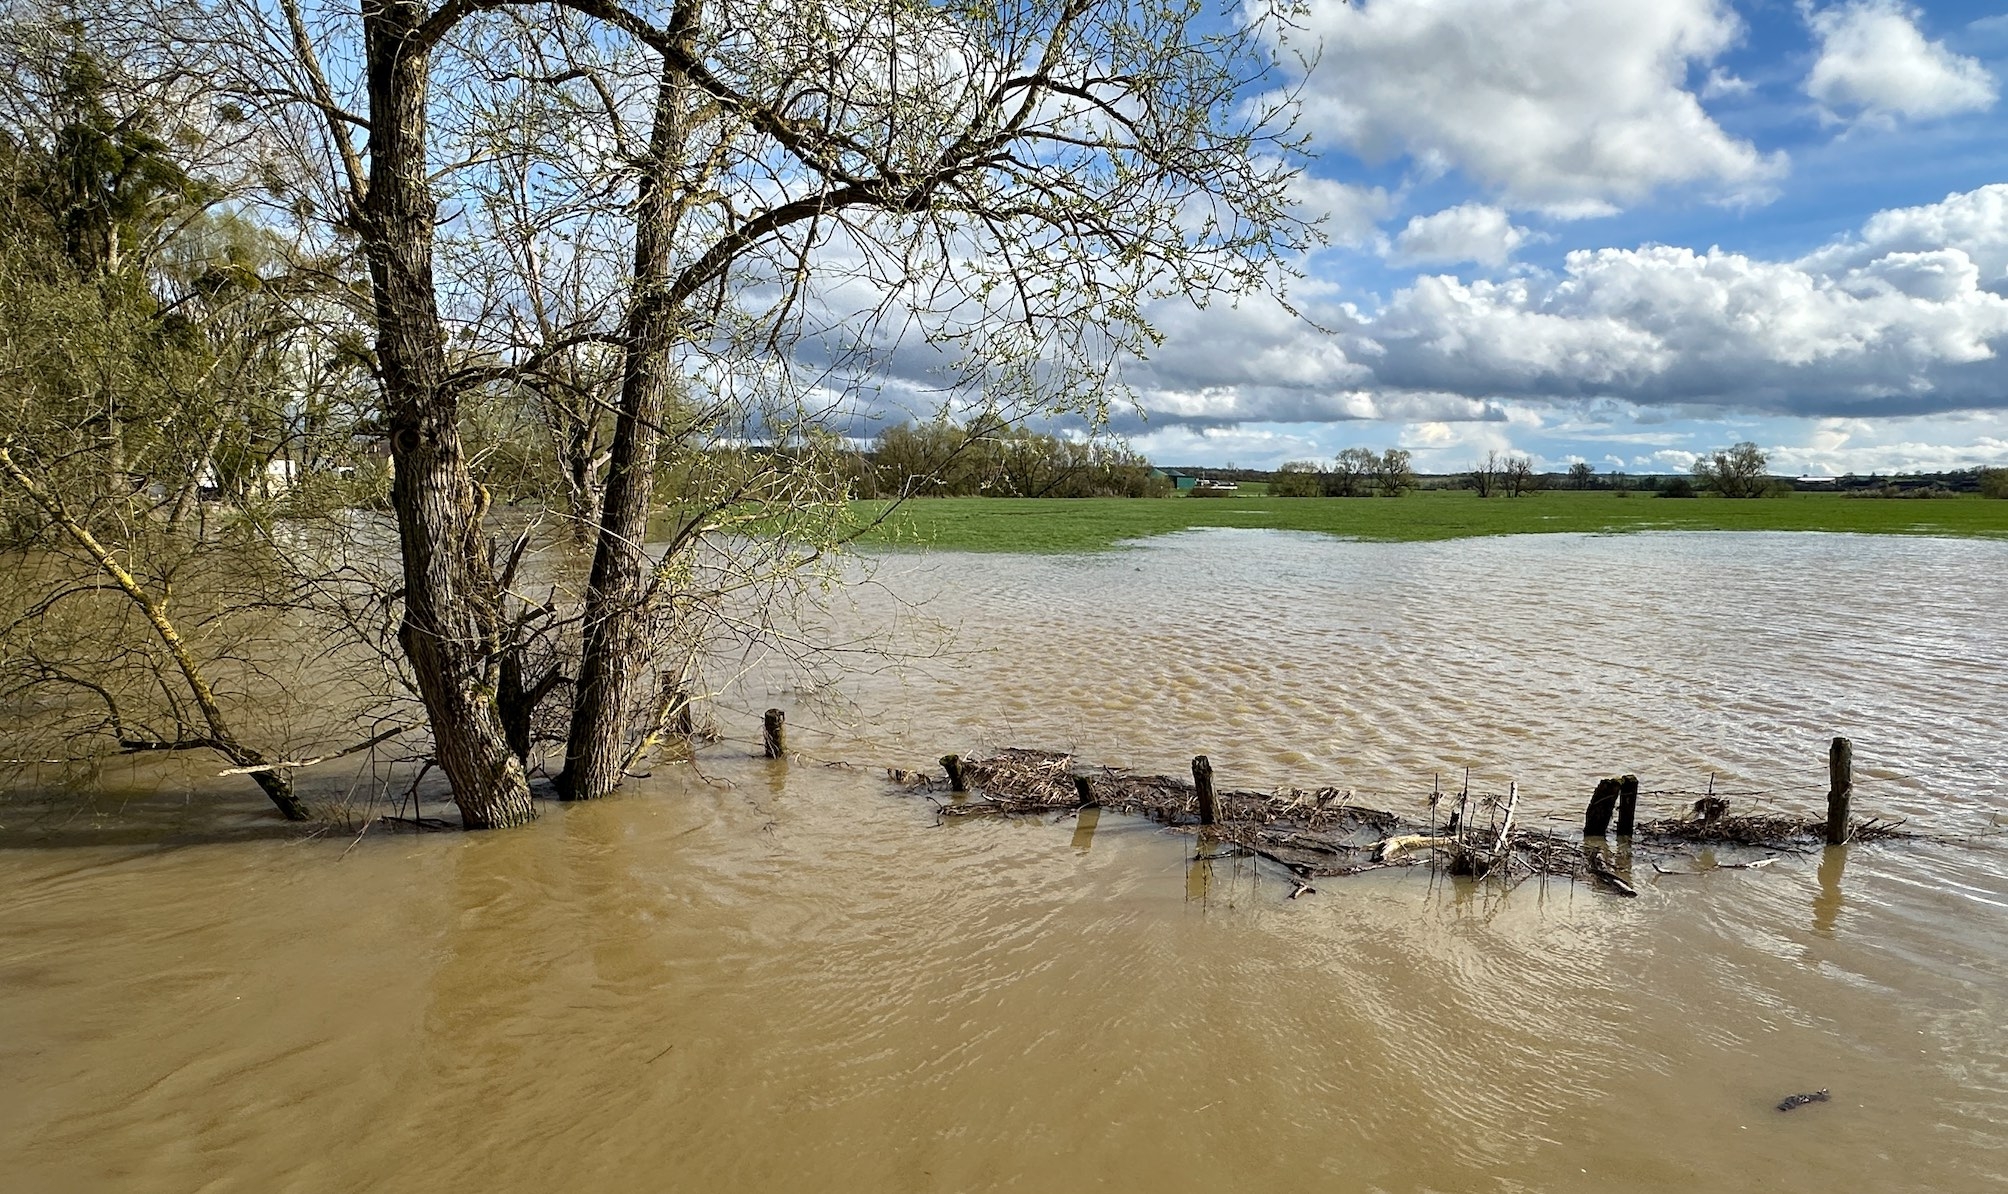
[
  {"x": 1720, "y": 866},
  {"x": 1609, "y": 877},
  {"x": 418, "y": 822}
]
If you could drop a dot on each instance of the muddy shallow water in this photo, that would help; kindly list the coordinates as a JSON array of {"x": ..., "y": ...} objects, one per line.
[{"x": 759, "y": 976}]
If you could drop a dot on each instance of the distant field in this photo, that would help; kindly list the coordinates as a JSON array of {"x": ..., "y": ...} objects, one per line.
[{"x": 1092, "y": 524}]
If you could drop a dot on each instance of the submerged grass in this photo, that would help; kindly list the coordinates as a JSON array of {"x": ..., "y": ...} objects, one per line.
[{"x": 1096, "y": 524}]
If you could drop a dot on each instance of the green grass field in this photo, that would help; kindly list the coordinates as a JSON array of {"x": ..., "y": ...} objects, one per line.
[{"x": 1094, "y": 524}]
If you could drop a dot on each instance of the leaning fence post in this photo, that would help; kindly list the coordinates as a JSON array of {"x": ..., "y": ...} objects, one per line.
[
  {"x": 774, "y": 734},
  {"x": 1841, "y": 775},
  {"x": 1627, "y": 803},
  {"x": 953, "y": 765},
  {"x": 1202, "y": 782},
  {"x": 1597, "y": 819}
]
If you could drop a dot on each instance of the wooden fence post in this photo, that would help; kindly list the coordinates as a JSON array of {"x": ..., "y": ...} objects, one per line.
[
  {"x": 774, "y": 734},
  {"x": 953, "y": 765},
  {"x": 1202, "y": 782},
  {"x": 1841, "y": 775},
  {"x": 1597, "y": 819},
  {"x": 1084, "y": 788},
  {"x": 1627, "y": 803}
]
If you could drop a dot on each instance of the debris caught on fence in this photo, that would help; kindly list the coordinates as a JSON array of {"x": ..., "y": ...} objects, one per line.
[{"x": 1325, "y": 832}]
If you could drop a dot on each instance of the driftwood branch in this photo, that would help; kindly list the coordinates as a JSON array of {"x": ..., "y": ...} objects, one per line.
[
  {"x": 1400, "y": 844},
  {"x": 296, "y": 764},
  {"x": 1601, "y": 868},
  {"x": 133, "y": 746}
]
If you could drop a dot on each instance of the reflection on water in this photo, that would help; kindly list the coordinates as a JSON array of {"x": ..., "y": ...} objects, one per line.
[
  {"x": 760, "y": 976},
  {"x": 1084, "y": 827},
  {"x": 1827, "y": 904}
]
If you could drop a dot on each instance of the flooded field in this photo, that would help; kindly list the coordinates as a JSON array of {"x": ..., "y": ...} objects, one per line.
[{"x": 760, "y": 976}]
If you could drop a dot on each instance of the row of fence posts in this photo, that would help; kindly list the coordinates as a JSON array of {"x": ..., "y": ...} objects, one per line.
[
  {"x": 1617, "y": 795},
  {"x": 1621, "y": 794}
]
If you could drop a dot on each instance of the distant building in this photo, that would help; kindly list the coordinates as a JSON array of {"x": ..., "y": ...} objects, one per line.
[
  {"x": 1196, "y": 485},
  {"x": 277, "y": 477}
]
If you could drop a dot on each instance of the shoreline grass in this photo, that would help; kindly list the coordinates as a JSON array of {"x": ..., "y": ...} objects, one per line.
[{"x": 1050, "y": 526}]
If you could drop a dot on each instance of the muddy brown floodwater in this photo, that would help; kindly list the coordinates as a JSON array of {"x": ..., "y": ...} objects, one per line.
[{"x": 754, "y": 976}]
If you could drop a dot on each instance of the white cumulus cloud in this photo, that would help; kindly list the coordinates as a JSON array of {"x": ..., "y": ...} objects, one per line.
[
  {"x": 1574, "y": 107},
  {"x": 1904, "y": 318},
  {"x": 1875, "y": 63},
  {"x": 1350, "y": 214},
  {"x": 1974, "y": 222},
  {"x": 1474, "y": 232},
  {"x": 1672, "y": 326}
]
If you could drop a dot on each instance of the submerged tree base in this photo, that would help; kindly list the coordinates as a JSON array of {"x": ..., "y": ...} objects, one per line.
[{"x": 1322, "y": 832}]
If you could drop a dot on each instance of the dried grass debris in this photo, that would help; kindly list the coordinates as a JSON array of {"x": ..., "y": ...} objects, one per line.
[{"x": 1323, "y": 832}]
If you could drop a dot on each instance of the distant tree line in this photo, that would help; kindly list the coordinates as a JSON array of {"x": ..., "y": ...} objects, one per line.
[
  {"x": 943, "y": 458},
  {"x": 1987, "y": 482},
  {"x": 1739, "y": 471},
  {"x": 1355, "y": 472},
  {"x": 1735, "y": 472}
]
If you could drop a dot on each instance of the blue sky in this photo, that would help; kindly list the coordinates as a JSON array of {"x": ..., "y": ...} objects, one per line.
[{"x": 1627, "y": 231}]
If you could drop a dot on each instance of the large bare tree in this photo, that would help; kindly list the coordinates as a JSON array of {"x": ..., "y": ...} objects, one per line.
[{"x": 813, "y": 197}]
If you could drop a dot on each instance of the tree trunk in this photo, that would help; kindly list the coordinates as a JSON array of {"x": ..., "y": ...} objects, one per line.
[
  {"x": 582, "y": 474},
  {"x": 191, "y": 487},
  {"x": 451, "y": 603},
  {"x": 618, "y": 650}
]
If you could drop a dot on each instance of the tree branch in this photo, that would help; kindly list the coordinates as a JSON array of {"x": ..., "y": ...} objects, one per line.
[{"x": 296, "y": 764}]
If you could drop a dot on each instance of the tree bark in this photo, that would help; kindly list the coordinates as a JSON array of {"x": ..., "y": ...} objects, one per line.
[
  {"x": 618, "y": 652},
  {"x": 581, "y": 454},
  {"x": 451, "y": 599}
]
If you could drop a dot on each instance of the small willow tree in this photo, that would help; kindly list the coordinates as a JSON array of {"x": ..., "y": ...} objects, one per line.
[
  {"x": 699, "y": 233},
  {"x": 1736, "y": 472},
  {"x": 151, "y": 347},
  {"x": 1298, "y": 478},
  {"x": 1395, "y": 475}
]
